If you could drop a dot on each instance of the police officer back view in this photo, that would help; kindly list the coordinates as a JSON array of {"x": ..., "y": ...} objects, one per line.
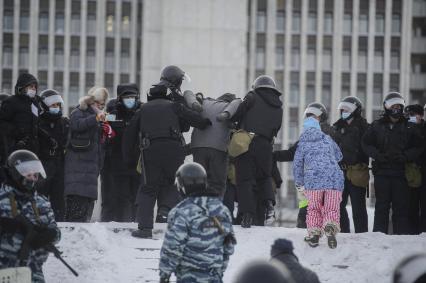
[
  {"x": 348, "y": 132},
  {"x": 260, "y": 113},
  {"x": 391, "y": 142},
  {"x": 159, "y": 125}
]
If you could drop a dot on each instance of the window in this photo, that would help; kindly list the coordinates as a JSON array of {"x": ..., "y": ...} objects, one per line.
[
  {"x": 23, "y": 57},
  {"x": 43, "y": 22},
  {"x": 394, "y": 63},
  {"x": 109, "y": 61},
  {"x": 8, "y": 20},
  {"x": 312, "y": 22},
  {"x": 75, "y": 59},
  {"x": 261, "y": 21},
  {"x": 294, "y": 93},
  {"x": 295, "y": 58},
  {"x": 346, "y": 60},
  {"x": 24, "y": 21},
  {"x": 346, "y": 85},
  {"x": 363, "y": 23},
  {"x": 43, "y": 57},
  {"x": 378, "y": 60},
  {"x": 280, "y": 22},
  {"x": 347, "y": 23},
  {"x": 311, "y": 59},
  {"x": 279, "y": 57},
  {"x": 310, "y": 94},
  {"x": 75, "y": 23},
  {"x": 380, "y": 23},
  {"x": 295, "y": 24},
  {"x": 326, "y": 59},
  {"x": 59, "y": 58},
  {"x": 90, "y": 60},
  {"x": 59, "y": 23},
  {"x": 260, "y": 58},
  {"x": 125, "y": 19},
  {"x": 377, "y": 89},
  {"x": 394, "y": 82},
  {"x": 124, "y": 61},
  {"x": 328, "y": 23},
  {"x": 7, "y": 56},
  {"x": 362, "y": 60},
  {"x": 396, "y": 23}
]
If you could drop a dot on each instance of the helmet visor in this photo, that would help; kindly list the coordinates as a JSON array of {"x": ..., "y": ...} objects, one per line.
[
  {"x": 312, "y": 110},
  {"x": 391, "y": 102},
  {"x": 186, "y": 83},
  {"x": 27, "y": 168},
  {"x": 346, "y": 106}
]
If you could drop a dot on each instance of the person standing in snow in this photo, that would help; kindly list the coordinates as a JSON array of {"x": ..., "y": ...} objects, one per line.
[
  {"x": 392, "y": 142},
  {"x": 260, "y": 114},
  {"x": 119, "y": 182},
  {"x": 19, "y": 200},
  {"x": 53, "y": 134},
  {"x": 199, "y": 239},
  {"x": 317, "y": 173},
  {"x": 209, "y": 146},
  {"x": 85, "y": 154},
  {"x": 347, "y": 133}
]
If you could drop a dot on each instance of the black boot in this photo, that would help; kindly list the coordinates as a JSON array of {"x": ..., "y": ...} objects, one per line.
[
  {"x": 143, "y": 233},
  {"x": 270, "y": 213},
  {"x": 161, "y": 219},
  {"x": 330, "y": 231},
  {"x": 312, "y": 240},
  {"x": 247, "y": 220},
  {"x": 301, "y": 217}
]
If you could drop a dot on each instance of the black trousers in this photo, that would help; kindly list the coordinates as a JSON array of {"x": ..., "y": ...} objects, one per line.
[
  {"x": 230, "y": 197},
  {"x": 119, "y": 196},
  {"x": 253, "y": 174},
  {"x": 53, "y": 186},
  {"x": 216, "y": 164},
  {"x": 78, "y": 208},
  {"x": 161, "y": 161},
  {"x": 391, "y": 191},
  {"x": 423, "y": 206},
  {"x": 359, "y": 208},
  {"x": 414, "y": 212}
]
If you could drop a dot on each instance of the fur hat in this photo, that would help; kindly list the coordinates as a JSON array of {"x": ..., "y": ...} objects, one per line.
[{"x": 96, "y": 93}]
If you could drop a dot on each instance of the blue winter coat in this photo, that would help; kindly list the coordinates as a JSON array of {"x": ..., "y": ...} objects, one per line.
[{"x": 315, "y": 164}]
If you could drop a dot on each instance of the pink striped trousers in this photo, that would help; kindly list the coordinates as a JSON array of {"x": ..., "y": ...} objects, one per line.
[{"x": 323, "y": 208}]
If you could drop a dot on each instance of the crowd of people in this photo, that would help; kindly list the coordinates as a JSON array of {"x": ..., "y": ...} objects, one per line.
[{"x": 51, "y": 165}]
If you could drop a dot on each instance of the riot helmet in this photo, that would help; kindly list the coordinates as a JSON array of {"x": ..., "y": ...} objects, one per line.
[
  {"x": 173, "y": 76},
  {"x": 51, "y": 102},
  {"x": 394, "y": 105},
  {"x": 191, "y": 178},
  {"x": 317, "y": 109},
  {"x": 264, "y": 81},
  {"x": 350, "y": 105},
  {"x": 25, "y": 168}
]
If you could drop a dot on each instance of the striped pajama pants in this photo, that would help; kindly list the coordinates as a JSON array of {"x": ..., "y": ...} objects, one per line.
[{"x": 323, "y": 209}]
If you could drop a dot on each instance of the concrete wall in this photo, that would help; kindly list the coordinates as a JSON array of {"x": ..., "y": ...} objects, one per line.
[{"x": 207, "y": 39}]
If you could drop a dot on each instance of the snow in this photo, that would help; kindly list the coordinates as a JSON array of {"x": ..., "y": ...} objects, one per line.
[{"x": 106, "y": 252}]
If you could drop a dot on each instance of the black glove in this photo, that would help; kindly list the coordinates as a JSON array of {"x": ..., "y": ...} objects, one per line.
[
  {"x": 165, "y": 279},
  {"x": 10, "y": 225},
  {"x": 43, "y": 237}
]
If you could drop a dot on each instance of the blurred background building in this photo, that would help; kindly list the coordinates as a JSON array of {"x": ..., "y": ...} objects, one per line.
[{"x": 317, "y": 50}]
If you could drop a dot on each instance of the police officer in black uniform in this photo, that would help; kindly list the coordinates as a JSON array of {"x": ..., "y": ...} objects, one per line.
[
  {"x": 119, "y": 182},
  {"x": 20, "y": 113},
  {"x": 158, "y": 127},
  {"x": 392, "y": 142},
  {"x": 347, "y": 133},
  {"x": 260, "y": 113},
  {"x": 53, "y": 133}
]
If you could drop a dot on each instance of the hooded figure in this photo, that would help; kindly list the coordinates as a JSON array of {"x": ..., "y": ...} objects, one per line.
[
  {"x": 85, "y": 154},
  {"x": 19, "y": 115},
  {"x": 119, "y": 181}
]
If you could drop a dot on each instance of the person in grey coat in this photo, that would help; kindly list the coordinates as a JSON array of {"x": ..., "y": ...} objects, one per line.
[
  {"x": 85, "y": 153},
  {"x": 209, "y": 146}
]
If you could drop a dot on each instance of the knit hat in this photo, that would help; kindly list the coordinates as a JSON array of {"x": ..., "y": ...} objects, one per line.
[
  {"x": 416, "y": 109},
  {"x": 265, "y": 271},
  {"x": 127, "y": 89},
  {"x": 96, "y": 93},
  {"x": 23, "y": 81},
  {"x": 282, "y": 246}
]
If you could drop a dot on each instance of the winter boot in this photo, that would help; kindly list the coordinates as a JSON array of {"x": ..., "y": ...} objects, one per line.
[
  {"x": 330, "y": 231},
  {"x": 301, "y": 217},
  {"x": 161, "y": 219},
  {"x": 143, "y": 233},
  {"x": 312, "y": 240},
  {"x": 247, "y": 220},
  {"x": 270, "y": 213}
]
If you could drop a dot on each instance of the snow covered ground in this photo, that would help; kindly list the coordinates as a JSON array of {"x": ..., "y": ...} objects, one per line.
[{"x": 102, "y": 253}]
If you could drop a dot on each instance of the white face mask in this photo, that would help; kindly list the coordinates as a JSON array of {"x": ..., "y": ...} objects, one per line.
[
  {"x": 412, "y": 119},
  {"x": 345, "y": 115},
  {"x": 31, "y": 93}
]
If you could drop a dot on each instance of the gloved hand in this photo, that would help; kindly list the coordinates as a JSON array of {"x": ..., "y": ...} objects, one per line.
[
  {"x": 165, "y": 279},
  {"x": 223, "y": 116},
  {"x": 108, "y": 131},
  {"x": 43, "y": 237}
]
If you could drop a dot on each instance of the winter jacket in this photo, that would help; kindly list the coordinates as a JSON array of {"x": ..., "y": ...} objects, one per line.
[
  {"x": 53, "y": 135},
  {"x": 315, "y": 164},
  {"x": 82, "y": 168},
  {"x": 260, "y": 113},
  {"x": 392, "y": 145},
  {"x": 113, "y": 148},
  {"x": 348, "y": 137},
  {"x": 19, "y": 113},
  {"x": 193, "y": 241},
  {"x": 11, "y": 242},
  {"x": 217, "y": 135}
]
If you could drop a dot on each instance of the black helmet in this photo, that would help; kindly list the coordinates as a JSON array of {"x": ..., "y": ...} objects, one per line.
[
  {"x": 393, "y": 98},
  {"x": 3, "y": 97},
  {"x": 351, "y": 103},
  {"x": 411, "y": 270},
  {"x": 191, "y": 178},
  {"x": 317, "y": 109},
  {"x": 264, "y": 81},
  {"x": 22, "y": 163},
  {"x": 49, "y": 97},
  {"x": 172, "y": 76}
]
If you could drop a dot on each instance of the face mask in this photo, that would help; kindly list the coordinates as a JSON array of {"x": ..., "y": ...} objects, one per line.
[
  {"x": 311, "y": 122},
  {"x": 129, "y": 102},
  {"x": 345, "y": 115},
  {"x": 31, "y": 93},
  {"x": 28, "y": 184},
  {"x": 412, "y": 119},
  {"x": 395, "y": 113},
  {"x": 54, "y": 110}
]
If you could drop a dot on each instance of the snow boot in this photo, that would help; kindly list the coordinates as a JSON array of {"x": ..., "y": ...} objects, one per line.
[
  {"x": 143, "y": 233},
  {"x": 312, "y": 240},
  {"x": 161, "y": 219},
  {"x": 330, "y": 231},
  {"x": 247, "y": 220},
  {"x": 270, "y": 213}
]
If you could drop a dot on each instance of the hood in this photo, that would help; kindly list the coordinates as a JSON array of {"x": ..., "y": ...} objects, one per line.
[
  {"x": 270, "y": 96},
  {"x": 23, "y": 81},
  {"x": 312, "y": 135}
]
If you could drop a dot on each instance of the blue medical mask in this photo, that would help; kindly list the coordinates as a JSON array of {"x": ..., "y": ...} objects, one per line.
[
  {"x": 412, "y": 119},
  {"x": 54, "y": 110},
  {"x": 345, "y": 115},
  {"x": 129, "y": 102},
  {"x": 311, "y": 122}
]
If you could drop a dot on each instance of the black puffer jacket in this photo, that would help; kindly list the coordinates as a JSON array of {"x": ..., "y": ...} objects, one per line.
[
  {"x": 348, "y": 137},
  {"x": 392, "y": 145},
  {"x": 53, "y": 135}
]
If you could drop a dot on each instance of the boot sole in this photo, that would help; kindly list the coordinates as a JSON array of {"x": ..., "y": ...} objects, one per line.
[
  {"x": 311, "y": 244},
  {"x": 332, "y": 242}
]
